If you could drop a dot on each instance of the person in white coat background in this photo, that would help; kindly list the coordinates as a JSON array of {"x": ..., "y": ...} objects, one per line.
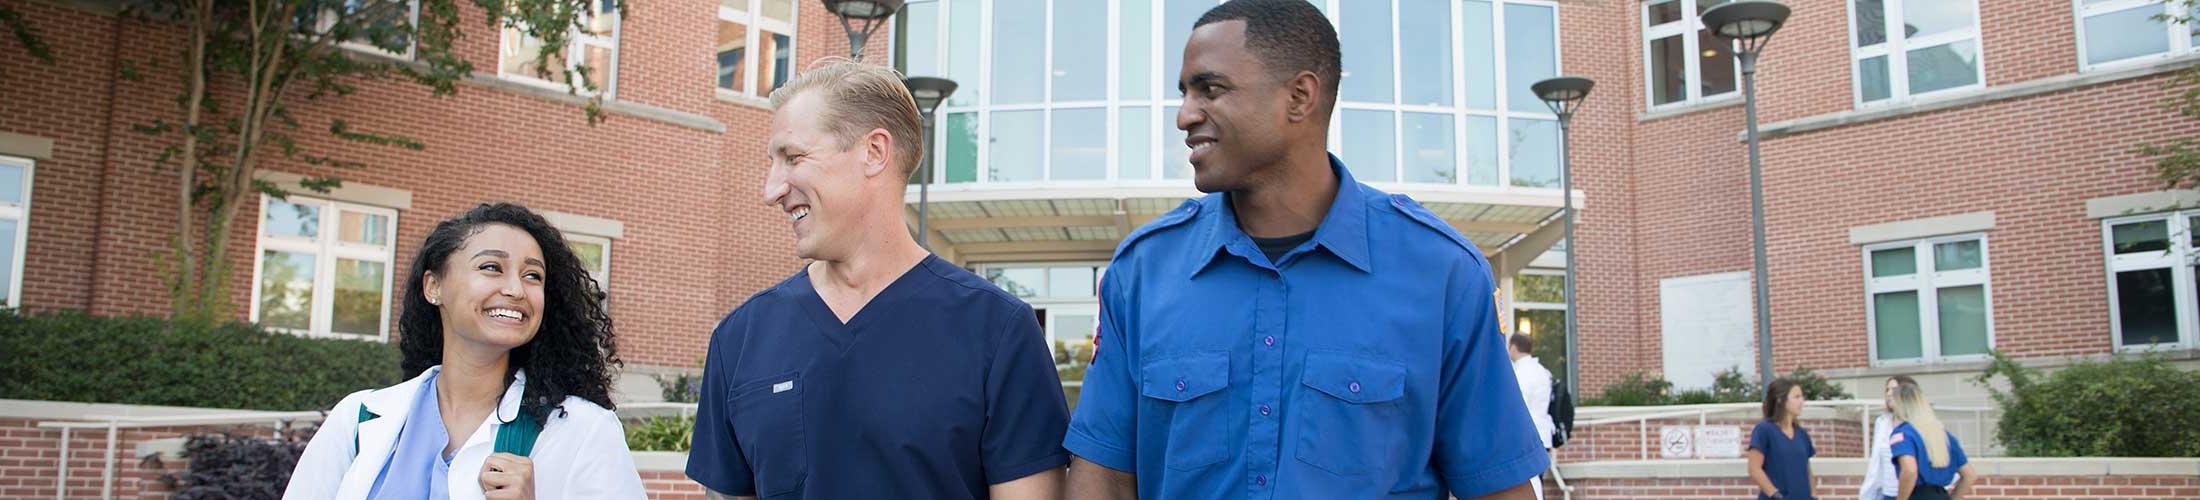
[
  {"x": 509, "y": 354},
  {"x": 1535, "y": 391},
  {"x": 1881, "y": 482}
]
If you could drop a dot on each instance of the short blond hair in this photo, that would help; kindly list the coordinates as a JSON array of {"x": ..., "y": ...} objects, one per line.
[{"x": 860, "y": 98}]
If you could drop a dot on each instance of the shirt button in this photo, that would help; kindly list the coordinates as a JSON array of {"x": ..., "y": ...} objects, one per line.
[
  {"x": 1263, "y": 410},
  {"x": 1180, "y": 386},
  {"x": 1271, "y": 340},
  {"x": 1355, "y": 387},
  {"x": 1261, "y": 480}
]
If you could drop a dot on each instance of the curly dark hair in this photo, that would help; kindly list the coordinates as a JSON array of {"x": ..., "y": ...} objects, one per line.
[{"x": 573, "y": 353}]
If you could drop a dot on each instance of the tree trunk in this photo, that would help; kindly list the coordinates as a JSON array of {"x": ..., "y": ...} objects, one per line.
[{"x": 184, "y": 298}]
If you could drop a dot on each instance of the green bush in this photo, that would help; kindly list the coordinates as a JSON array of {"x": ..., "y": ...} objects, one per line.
[
  {"x": 2121, "y": 408},
  {"x": 1729, "y": 386},
  {"x": 661, "y": 434},
  {"x": 69, "y": 356}
]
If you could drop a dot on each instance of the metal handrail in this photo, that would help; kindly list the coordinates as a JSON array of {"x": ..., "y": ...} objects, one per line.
[
  {"x": 1642, "y": 415},
  {"x": 115, "y": 423}
]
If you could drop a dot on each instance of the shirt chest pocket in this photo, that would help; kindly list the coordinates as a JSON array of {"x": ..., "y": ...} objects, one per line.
[
  {"x": 767, "y": 418},
  {"x": 1201, "y": 430},
  {"x": 1349, "y": 417}
]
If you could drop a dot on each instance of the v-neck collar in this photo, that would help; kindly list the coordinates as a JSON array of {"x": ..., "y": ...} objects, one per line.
[{"x": 843, "y": 334}]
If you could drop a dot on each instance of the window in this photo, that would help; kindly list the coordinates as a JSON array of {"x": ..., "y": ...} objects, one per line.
[
  {"x": 1928, "y": 300},
  {"x": 2151, "y": 289},
  {"x": 1065, "y": 299},
  {"x": 381, "y": 24},
  {"x": 15, "y": 208},
  {"x": 1684, "y": 62},
  {"x": 1433, "y": 91},
  {"x": 1905, "y": 48},
  {"x": 323, "y": 267},
  {"x": 597, "y": 41},
  {"x": 595, "y": 255},
  {"x": 767, "y": 25},
  {"x": 1539, "y": 311},
  {"x": 2127, "y": 31}
]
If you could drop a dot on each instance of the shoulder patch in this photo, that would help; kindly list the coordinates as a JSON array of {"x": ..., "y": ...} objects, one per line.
[
  {"x": 1183, "y": 213},
  {"x": 1418, "y": 213}
]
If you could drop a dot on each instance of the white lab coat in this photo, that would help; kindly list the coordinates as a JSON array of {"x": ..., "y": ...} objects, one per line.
[
  {"x": 1880, "y": 476},
  {"x": 580, "y": 454},
  {"x": 1535, "y": 391}
]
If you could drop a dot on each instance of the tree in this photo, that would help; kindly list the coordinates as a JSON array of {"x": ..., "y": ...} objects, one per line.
[
  {"x": 2177, "y": 162},
  {"x": 279, "y": 53}
]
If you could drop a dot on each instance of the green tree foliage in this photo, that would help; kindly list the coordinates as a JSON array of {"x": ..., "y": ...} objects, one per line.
[{"x": 2121, "y": 408}]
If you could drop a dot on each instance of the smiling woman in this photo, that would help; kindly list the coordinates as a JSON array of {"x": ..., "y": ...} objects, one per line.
[{"x": 504, "y": 334}]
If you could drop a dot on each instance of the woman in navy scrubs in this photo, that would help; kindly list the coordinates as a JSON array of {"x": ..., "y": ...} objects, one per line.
[
  {"x": 1779, "y": 448},
  {"x": 1931, "y": 461}
]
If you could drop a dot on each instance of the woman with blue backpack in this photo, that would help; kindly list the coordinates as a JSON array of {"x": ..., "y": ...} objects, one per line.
[{"x": 509, "y": 354}]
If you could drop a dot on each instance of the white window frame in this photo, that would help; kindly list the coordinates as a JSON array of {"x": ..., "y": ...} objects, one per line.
[
  {"x": 326, "y": 249},
  {"x": 1926, "y": 281},
  {"x": 1164, "y": 97},
  {"x": 2180, "y": 36},
  {"x": 21, "y": 214},
  {"x": 755, "y": 23},
  {"x": 576, "y": 53},
  {"x": 1692, "y": 72},
  {"x": 2181, "y": 259},
  {"x": 1515, "y": 305},
  {"x": 603, "y": 278},
  {"x": 1896, "y": 48}
]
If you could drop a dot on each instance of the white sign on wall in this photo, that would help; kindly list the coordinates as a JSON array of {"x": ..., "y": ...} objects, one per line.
[
  {"x": 1677, "y": 441},
  {"x": 1718, "y": 441},
  {"x": 1705, "y": 324}
]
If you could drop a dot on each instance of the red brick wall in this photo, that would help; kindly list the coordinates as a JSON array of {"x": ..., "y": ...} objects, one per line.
[
  {"x": 1591, "y": 35},
  {"x": 1993, "y": 487},
  {"x": 697, "y": 242}
]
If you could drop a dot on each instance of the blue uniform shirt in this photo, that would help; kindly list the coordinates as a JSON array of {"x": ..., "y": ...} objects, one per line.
[
  {"x": 1787, "y": 459},
  {"x": 1906, "y": 441},
  {"x": 941, "y": 386},
  {"x": 1366, "y": 363}
]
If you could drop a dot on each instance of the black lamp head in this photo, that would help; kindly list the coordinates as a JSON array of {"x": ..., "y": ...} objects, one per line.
[
  {"x": 863, "y": 9},
  {"x": 929, "y": 91},
  {"x": 1746, "y": 20},
  {"x": 1563, "y": 94}
]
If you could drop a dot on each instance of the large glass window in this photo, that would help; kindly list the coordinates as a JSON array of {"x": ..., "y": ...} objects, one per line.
[
  {"x": 15, "y": 202},
  {"x": 768, "y": 27},
  {"x": 1908, "y": 48},
  {"x": 1929, "y": 299},
  {"x": 2152, "y": 292},
  {"x": 1432, "y": 92},
  {"x": 1539, "y": 312},
  {"x": 596, "y": 40},
  {"x": 323, "y": 267},
  {"x": 2112, "y": 32},
  {"x": 1684, "y": 62}
]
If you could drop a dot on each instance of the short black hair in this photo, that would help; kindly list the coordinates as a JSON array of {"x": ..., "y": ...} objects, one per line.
[
  {"x": 1522, "y": 343},
  {"x": 1288, "y": 36}
]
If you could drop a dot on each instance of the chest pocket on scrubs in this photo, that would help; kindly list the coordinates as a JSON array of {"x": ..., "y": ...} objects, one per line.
[
  {"x": 767, "y": 418},
  {"x": 1201, "y": 425},
  {"x": 1348, "y": 417}
]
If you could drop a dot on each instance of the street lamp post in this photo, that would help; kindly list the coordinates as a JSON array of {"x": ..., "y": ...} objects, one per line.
[
  {"x": 861, "y": 17},
  {"x": 929, "y": 92},
  {"x": 1564, "y": 95},
  {"x": 1750, "y": 24}
]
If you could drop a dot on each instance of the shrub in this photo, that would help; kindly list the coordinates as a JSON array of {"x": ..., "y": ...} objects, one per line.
[
  {"x": 226, "y": 466},
  {"x": 2121, "y": 408},
  {"x": 69, "y": 356},
  {"x": 661, "y": 434},
  {"x": 683, "y": 387},
  {"x": 1636, "y": 389},
  {"x": 1729, "y": 386}
]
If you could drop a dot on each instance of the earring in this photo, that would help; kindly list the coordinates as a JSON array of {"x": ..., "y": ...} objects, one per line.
[{"x": 433, "y": 302}]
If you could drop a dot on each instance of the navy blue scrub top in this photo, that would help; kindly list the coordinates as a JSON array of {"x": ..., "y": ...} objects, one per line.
[
  {"x": 1365, "y": 363},
  {"x": 941, "y": 386},
  {"x": 1787, "y": 460}
]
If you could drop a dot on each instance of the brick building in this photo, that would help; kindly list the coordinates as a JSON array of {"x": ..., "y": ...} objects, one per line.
[{"x": 1980, "y": 187}]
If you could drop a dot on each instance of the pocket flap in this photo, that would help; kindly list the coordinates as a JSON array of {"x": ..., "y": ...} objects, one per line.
[
  {"x": 1183, "y": 378},
  {"x": 1354, "y": 379}
]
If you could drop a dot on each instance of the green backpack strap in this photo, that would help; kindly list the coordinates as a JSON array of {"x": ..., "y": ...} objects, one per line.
[
  {"x": 518, "y": 436},
  {"x": 364, "y": 416}
]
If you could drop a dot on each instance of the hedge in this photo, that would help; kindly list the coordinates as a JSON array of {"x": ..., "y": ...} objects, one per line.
[
  {"x": 2121, "y": 408},
  {"x": 70, "y": 356}
]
